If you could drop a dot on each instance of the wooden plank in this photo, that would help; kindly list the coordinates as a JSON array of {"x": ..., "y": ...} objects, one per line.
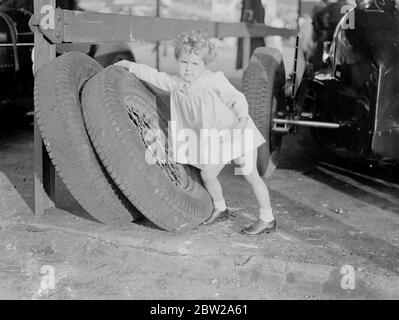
[
  {"x": 246, "y": 52},
  {"x": 158, "y": 59},
  {"x": 44, "y": 170},
  {"x": 81, "y": 27}
]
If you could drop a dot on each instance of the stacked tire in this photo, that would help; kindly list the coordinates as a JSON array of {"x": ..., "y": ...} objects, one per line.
[
  {"x": 84, "y": 113},
  {"x": 58, "y": 112},
  {"x": 96, "y": 124}
]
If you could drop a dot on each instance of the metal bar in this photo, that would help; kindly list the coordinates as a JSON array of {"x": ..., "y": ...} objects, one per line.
[
  {"x": 25, "y": 33},
  {"x": 89, "y": 27},
  {"x": 44, "y": 175},
  {"x": 378, "y": 104},
  {"x": 17, "y": 45},
  {"x": 280, "y": 130},
  {"x": 294, "y": 74},
  {"x": 316, "y": 124}
]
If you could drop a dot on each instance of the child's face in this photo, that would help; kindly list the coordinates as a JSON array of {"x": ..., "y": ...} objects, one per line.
[{"x": 190, "y": 66}]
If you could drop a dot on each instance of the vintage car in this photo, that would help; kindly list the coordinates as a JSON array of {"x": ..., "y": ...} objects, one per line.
[
  {"x": 352, "y": 105},
  {"x": 16, "y": 44}
]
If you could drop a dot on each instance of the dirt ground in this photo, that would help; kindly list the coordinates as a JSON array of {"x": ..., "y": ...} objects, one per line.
[{"x": 337, "y": 238}]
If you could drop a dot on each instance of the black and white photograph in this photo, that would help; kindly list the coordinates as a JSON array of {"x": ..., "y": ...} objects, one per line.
[{"x": 199, "y": 155}]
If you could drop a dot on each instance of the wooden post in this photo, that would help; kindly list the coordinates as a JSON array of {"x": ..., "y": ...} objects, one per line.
[
  {"x": 158, "y": 14},
  {"x": 246, "y": 52},
  {"x": 44, "y": 52},
  {"x": 299, "y": 13}
]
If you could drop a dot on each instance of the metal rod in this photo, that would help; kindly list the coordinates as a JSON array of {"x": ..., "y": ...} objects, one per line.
[
  {"x": 294, "y": 76},
  {"x": 315, "y": 124},
  {"x": 17, "y": 45}
]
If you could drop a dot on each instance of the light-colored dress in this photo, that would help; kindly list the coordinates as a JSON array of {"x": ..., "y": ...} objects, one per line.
[{"x": 200, "y": 112}]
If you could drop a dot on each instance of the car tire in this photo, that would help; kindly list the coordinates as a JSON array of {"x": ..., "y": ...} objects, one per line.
[
  {"x": 57, "y": 107},
  {"x": 120, "y": 111},
  {"x": 263, "y": 86}
]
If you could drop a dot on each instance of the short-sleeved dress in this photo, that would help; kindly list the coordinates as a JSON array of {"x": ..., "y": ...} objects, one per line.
[{"x": 201, "y": 112}]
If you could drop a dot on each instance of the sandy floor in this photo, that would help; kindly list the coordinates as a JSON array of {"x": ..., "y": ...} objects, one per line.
[{"x": 305, "y": 259}]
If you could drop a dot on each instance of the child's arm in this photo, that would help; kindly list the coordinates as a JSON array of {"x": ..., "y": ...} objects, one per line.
[
  {"x": 158, "y": 79},
  {"x": 232, "y": 98}
]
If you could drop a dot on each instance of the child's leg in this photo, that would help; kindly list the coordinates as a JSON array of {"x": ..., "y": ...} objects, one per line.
[
  {"x": 213, "y": 186},
  {"x": 259, "y": 187}
]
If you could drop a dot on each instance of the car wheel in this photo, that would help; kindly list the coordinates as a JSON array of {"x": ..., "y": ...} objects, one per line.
[
  {"x": 57, "y": 107},
  {"x": 122, "y": 117},
  {"x": 263, "y": 86}
]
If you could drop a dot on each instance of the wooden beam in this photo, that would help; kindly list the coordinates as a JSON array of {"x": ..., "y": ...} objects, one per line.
[
  {"x": 158, "y": 14},
  {"x": 90, "y": 27},
  {"x": 44, "y": 170},
  {"x": 246, "y": 52}
]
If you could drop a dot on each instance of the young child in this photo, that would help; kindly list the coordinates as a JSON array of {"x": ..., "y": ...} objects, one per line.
[{"x": 202, "y": 100}]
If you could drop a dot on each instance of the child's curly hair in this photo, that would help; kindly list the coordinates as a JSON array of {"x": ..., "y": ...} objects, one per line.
[{"x": 197, "y": 42}]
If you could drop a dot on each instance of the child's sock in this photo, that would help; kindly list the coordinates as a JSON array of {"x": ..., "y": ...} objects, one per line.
[
  {"x": 220, "y": 205},
  {"x": 266, "y": 215}
]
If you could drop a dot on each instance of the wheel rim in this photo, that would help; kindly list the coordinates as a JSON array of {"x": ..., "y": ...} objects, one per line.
[{"x": 155, "y": 140}]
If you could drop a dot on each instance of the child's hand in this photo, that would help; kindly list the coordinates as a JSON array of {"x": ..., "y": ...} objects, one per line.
[{"x": 124, "y": 64}]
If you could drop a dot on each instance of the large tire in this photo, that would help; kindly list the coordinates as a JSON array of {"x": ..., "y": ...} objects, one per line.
[
  {"x": 263, "y": 86},
  {"x": 57, "y": 108},
  {"x": 119, "y": 110}
]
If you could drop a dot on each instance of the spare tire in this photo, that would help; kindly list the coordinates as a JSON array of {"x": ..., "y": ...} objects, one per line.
[
  {"x": 57, "y": 92},
  {"x": 119, "y": 112},
  {"x": 263, "y": 86}
]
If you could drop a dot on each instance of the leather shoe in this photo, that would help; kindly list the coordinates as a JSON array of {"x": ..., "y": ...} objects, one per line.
[
  {"x": 259, "y": 227},
  {"x": 217, "y": 215}
]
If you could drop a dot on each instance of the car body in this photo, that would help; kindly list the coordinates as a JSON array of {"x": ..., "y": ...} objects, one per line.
[
  {"x": 352, "y": 105},
  {"x": 16, "y": 41},
  {"x": 16, "y": 45}
]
